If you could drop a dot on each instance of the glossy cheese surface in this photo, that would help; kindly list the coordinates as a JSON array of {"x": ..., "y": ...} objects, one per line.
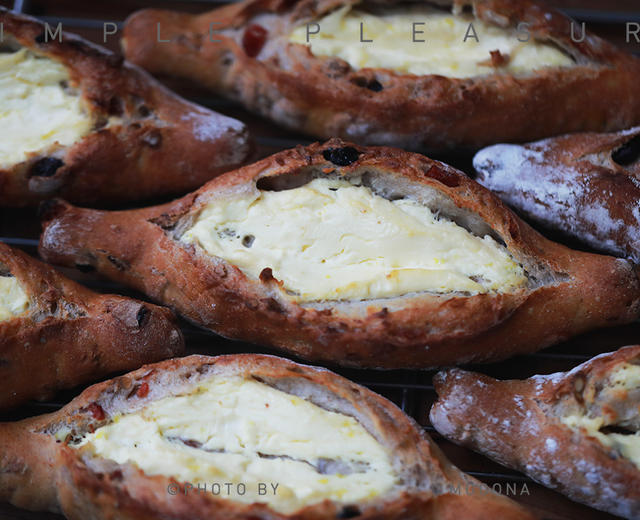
[
  {"x": 334, "y": 240},
  {"x": 37, "y": 112},
  {"x": 444, "y": 51},
  {"x": 237, "y": 430},
  {"x": 625, "y": 378},
  {"x": 13, "y": 299}
]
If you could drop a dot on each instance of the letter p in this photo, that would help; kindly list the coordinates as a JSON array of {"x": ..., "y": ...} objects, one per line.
[{"x": 316, "y": 29}]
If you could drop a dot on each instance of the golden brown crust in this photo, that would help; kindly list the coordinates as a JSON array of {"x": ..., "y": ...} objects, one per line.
[
  {"x": 71, "y": 335},
  {"x": 324, "y": 97},
  {"x": 156, "y": 144},
  {"x": 518, "y": 424},
  {"x": 574, "y": 185},
  {"x": 568, "y": 292},
  {"x": 96, "y": 489}
]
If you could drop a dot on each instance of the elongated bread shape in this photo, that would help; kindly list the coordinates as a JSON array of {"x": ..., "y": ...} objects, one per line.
[
  {"x": 360, "y": 256},
  {"x": 79, "y": 122},
  {"x": 584, "y": 186},
  {"x": 245, "y": 419},
  {"x": 576, "y": 432},
  {"x": 55, "y": 333},
  {"x": 425, "y": 78}
]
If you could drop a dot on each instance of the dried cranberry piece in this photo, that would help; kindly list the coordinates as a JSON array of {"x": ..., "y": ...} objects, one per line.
[
  {"x": 143, "y": 390},
  {"x": 253, "y": 39},
  {"x": 96, "y": 411}
]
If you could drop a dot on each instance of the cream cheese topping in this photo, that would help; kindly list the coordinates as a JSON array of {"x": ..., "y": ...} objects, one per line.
[
  {"x": 625, "y": 377},
  {"x": 333, "y": 240},
  {"x": 13, "y": 299},
  {"x": 237, "y": 430},
  {"x": 36, "y": 112},
  {"x": 445, "y": 51}
]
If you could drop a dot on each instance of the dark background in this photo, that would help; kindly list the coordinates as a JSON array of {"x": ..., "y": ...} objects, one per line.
[{"x": 412, "y": 390}]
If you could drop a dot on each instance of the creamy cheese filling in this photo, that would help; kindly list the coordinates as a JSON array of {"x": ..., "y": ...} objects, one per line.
[
  {"x": 36, "y": 111},
  {"x": 240, "y": 431},
  {"x": 333, "y": 240},
  {"x": 445, "y": 51},
  {"x": 626, "y": 377},
  {"x": 13, "y": 299}
]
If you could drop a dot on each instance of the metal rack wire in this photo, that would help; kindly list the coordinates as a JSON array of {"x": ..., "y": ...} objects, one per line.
[{"x": 411, "y": 390}]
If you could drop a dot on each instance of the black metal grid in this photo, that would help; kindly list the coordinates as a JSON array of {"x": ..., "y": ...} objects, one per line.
[{"x": 411, "y": 390}]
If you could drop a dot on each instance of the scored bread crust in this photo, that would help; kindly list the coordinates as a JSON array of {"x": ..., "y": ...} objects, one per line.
[
  {"x": 568, "y": 292},
  {"x": 71, "y": 335},
  {"x": 325, "y": 97},
  {"x": 39, "y": 473},
  {"x": 156, "y": 144},
  {"x": 573, "y": 185},
  {"x": 517, "y": 423}
]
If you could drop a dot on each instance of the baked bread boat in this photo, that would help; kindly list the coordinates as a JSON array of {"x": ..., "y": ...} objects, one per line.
[
  {"x": 582, "y": 185},
  {"x": 361, "y": 256},
  {"x": 576, "y": 432},
  {"x": 524, "y": 77},
  {"x": 141, "y": 445},
  {"x": 80, "y": 123},
  {"x": 55, "y": 333}
]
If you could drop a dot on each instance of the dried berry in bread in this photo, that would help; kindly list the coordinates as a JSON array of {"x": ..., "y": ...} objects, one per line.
[
  {"x": 361, "y": 256},
  {"x": 77, "y": 121},
  {"x": 584, "y": 186},
  {"x": 55, "y": 333},
  {"x": 423, "y": 81},
  {"x": 155, "y": 443},
  {"x": 576, "y": 432}
]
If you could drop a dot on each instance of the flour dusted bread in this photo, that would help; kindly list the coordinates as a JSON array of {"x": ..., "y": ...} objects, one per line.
[
  {"x": 576, "y": 432},
  {"x": 444, "y": 92},
  {"x": 79, "y": 122},
  {"x": 582, "y": 185},
  {"x": 360, "y": 256},
  {"x": 56, "y": 334},
  {"x": 237, "y": 419}
]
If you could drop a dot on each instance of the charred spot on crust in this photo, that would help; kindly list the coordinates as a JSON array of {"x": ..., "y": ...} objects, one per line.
[
  {"x": 120, "y": 265},
  {"x": 349, "y": 512},
  {"x": 274, "y": 306},
  {"x": 165, "y": 221},
  {"x": 628, "y": 153},
  {"x": 141, "y": 316},
  {"x": 341, "y": 156},
  {"x": 247, "y": 240},
  {"x": 115, "y": 106},
  {"x": 372, "y": 84},
  {"x": 616, "y": 428},
  {"x": 144, "y": 111},
  {"x": 45, "y": 167},
  {"x": 85, "y": 268},
  {"x": 41, "y": 38}
]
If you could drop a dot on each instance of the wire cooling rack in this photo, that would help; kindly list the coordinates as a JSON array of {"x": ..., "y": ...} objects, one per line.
[{"x": 411, "y": 390}]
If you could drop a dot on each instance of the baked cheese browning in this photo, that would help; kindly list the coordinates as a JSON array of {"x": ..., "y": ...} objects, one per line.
[
  {"x": 615, "y": 420},
  {"x": 333, "y": 240},
  {"x": 38, "y": 112},
  {"x": 13, "y": 299},
  {"x": 445, "y": 51},
  {"x": 232, "y": 429}
]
